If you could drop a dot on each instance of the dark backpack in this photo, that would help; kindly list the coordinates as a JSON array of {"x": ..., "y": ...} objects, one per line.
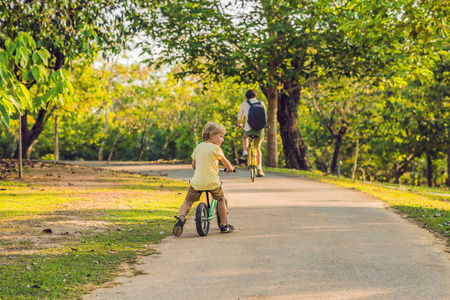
[{"x": 256, "y": 116}]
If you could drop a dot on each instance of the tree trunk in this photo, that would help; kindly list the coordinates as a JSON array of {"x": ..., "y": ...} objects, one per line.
[
  {"x": 396, "y": 173},
  {"x": 30, "y": 136},
  {"x": 400, "y": 170},
  {"x": 234, "y": 150},
  {"x": 56, "y": 143},
  {"x": 419, "y": 177},
  {"x": 20, "y": 148},
  {"x": 294, "y": 148},
  {"x": 339, "y": 164},
  {"x": 413, "y": 176},
  {"x": 429, "y": 170},
  {"x": 141, "y": 148},
  {"x": 113, "y": 147},
  {"x": 31, "y": 149},
  {"x": 369, "y": 171},
  {"x": 337, "y": 147},
  {"x": 448, "y": 167},
  {"x": 272, "y": 146},
  {"x": 363, "y": 173},
  {"x": 355, "y": 161},
  {"x": 105, "y": 133}
]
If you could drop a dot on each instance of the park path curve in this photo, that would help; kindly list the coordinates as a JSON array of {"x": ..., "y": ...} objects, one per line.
[{"x": 295, "y": 238}]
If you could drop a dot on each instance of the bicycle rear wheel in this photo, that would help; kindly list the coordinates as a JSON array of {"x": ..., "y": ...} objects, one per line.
[
  {"x": 202, "y": 219},
  {"x": 252, "y": 173},
  {"x": 251, "y": 167},
  {"x": 217, "y": 211}
]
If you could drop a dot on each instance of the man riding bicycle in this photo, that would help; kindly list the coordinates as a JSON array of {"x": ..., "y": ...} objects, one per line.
[{"x": 258, "y": 118}]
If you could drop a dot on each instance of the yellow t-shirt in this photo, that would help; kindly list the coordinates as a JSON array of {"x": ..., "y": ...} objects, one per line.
[{"x": 206, "y": 175}]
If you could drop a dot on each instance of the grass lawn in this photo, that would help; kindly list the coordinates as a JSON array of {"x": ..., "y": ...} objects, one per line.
[{"x": 67, "y": 229}]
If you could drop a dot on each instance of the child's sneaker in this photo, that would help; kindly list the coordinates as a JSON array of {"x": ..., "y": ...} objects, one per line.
[
  {"x": 178, "y": 228},
  {"x": 260, "y": 173},
  {"x": 226, "y": 228}
]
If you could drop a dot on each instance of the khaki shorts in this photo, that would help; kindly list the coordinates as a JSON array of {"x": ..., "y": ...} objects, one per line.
[
  {"x": 194, "y": 195},
  {"x": 259, "y": 133}
]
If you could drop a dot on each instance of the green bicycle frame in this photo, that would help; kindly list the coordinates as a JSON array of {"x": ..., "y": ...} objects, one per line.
[{"x": 211, "y": 209}]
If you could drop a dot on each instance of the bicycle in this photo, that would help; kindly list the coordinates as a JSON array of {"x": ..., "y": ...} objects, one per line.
[
  {"x": 252, "y": 162},
  {"x": 206, "y": 212}
]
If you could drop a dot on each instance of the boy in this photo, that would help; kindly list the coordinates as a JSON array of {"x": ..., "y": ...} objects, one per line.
[
  {"x": 243, "y": 112},
  {"x": 205, "y": 162}
]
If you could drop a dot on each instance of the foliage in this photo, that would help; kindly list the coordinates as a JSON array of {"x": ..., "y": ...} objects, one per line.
[
  {"x": 277, "y": 45},
  {"x": 344, "y": 108},
  {"x": 257, "y": 41},
  {"x": 166, "y": 115},
  {"x": 400, "y": 124},
  {"x": 66, "y": 32},
  {"x": 21, "y": 66},
  {"x": 422, "y": 20},
  {"x": 70, "y": 31},
  {"x": 386, "y": 73},
  {"x": 7, "y": 141},
  {"x": 284, "y": 46},
  {"x": 141, "y": 103}
]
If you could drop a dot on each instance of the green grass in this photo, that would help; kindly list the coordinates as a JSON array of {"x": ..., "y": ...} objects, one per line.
[
  {"x": 128, "y": 217},
  {"x": 418, "y": 203}
]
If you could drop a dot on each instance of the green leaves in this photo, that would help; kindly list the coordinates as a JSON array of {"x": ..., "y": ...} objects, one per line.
[
  {"x": 58, "y": 88},
  {"x": 14, "y": 59},
  {"x": 21, "y": 65},
  {"x": 39, "y": 73},
  {"x": 41, "y": 57}
]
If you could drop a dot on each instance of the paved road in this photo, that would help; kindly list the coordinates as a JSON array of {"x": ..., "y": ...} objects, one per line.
[{"x": 294, "y": 238}]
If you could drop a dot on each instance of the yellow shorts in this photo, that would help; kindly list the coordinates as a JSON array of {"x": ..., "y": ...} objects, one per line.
[{"x": 194, "y": 195}]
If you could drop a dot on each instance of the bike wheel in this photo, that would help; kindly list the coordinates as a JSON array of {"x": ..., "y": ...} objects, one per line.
[
  {"x": 250, "y": 164},
  {"x": 202, "y": 219},
  {"x": 217, "y": 211},
  {"x": 253, "y": 173}
]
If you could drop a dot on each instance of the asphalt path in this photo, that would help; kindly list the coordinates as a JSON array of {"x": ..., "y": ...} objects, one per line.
[{"x": 294, "y": 238}]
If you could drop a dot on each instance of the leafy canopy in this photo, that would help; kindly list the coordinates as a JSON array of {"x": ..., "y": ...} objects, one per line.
[
  {"x": 38, "y": 39},
  {"x": 21, "y": 63}
]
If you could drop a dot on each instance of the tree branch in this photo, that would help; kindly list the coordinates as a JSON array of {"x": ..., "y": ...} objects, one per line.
[
  {"x": 308, "y": 82},
  {"x": 321, "y": 114},
  {"x": 49, "y": 114}
]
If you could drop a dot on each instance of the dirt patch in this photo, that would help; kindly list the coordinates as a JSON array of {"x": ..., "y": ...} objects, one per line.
[{"x": 26, "y": 235}]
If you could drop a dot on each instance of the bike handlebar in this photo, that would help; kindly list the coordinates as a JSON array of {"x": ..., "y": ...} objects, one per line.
[{"x": 225, "y": 170}]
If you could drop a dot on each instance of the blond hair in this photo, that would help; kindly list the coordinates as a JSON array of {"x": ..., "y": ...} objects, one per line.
[{"x": 212, "y": 128}]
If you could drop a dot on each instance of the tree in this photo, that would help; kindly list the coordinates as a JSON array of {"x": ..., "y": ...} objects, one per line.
[
  {"x": 342, "y": 106},
  {"x": 283, "y": 46},
  {"x": 20, "y": 63},
  {"x": 150, "y": 116},
  {"x": 69, "y": 31},
  {"x": 440, "y": 96}
]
